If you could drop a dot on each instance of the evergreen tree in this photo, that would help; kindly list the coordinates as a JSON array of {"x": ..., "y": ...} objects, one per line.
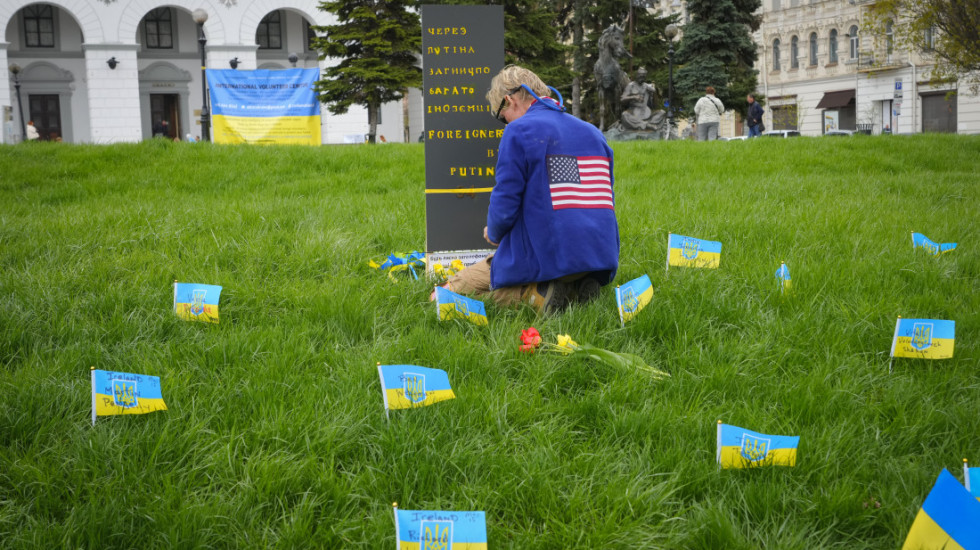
[
  {"x": 717, "y": 50},
  {"x": 378, "y": 43}
]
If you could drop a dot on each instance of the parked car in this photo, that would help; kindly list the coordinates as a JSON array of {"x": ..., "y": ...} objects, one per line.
[
  {"x": 839, "y": 132},
  {"x": 733, "y": 138},
  {"x": 781, "y": 133}
]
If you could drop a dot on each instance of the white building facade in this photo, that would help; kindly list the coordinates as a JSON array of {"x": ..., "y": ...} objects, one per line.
[
  {"x": 820, "y": 69},
  {"x": 107, "y": 71}
]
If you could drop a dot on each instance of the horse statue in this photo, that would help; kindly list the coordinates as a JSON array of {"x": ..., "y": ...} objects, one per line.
[{"x": 610, "y": 78}]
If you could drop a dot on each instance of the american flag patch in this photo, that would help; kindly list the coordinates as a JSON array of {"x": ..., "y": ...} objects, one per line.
[{"x": 579, "y": 182}]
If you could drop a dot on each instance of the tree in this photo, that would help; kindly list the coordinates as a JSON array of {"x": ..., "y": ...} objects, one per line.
[
  {"x": 378, "y": 43},
  {"x": 717, "y": 50},
  {"x": 947, "y": 29}
]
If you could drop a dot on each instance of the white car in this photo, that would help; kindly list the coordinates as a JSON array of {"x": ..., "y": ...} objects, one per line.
[{"x": 781, "y": 133}]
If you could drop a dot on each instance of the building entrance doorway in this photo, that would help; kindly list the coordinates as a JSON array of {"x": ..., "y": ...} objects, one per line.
[
  {"x": 165, "y": 115},
  {"x": 46, "y": 114},
  {"x": 889, "y": 120}
]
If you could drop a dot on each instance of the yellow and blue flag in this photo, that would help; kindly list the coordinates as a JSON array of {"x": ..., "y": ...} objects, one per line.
[
  {"x": 741, "y": 448},
  {"x": 924, "y": 338},
  {"x": 785, "y": 282},
  {"x": 948, "y": 520},
  {"x": 440, "y": 530},
  {"x": 125, "y": 393},
  {"x": 632, "y": 297},
  {"x": 690, "y": 252},
  {"x": 450, "y": 305},
  {"x": 265, "y": 106},
  {"x": 971, "y": 479},
  {"x": 921, "y": 241},
  {"x": 196, "y": 302},
  {"x": 408, "y": 386},
  {"x": 400, "y": 262}
]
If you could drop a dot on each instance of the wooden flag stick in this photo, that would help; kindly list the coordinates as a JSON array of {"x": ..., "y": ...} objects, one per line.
[
  {"x": 718, "y": 451},
  {"x": 894, "y": 343},
  {"x": 966, "y": 476},
  {"x": 619, "y": 306},
  {"x": 394, "y": 507},
  {"x": 384, "y": 390},
  {"x": 92, "y": 371}
]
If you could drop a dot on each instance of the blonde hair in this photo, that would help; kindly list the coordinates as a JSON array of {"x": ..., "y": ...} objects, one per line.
[{"x": 510, "y": 77}]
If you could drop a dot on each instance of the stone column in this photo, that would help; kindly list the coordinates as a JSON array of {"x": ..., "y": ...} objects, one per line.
[
  {"x": 113, "y": 94},
  {"x": 7, "y": 98}
]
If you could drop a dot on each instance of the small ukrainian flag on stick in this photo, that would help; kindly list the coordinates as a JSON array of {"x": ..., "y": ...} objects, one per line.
[
  {"x": 410, "y": 386},
  {"x": 124, "y": 393},
  {"x": 450, "y": 305},
  {"x": 440, "y": 530},
  {"x": 921, "y": 241},
  {"x": 741, "y": 448},
  {"x": 632, "y": 297},
  {"x": 690, "y": 252},
  {"x": 924, "y": 338},
  {"x": 785, "y": 282},
  {"x": 948, "y": 518},
  {"x": 196, "y": 302}
]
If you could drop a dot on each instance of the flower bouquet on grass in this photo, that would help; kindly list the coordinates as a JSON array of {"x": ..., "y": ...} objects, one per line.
[
  {"x": 443, "y": 273},
  {"x": 531, "y": 340}
]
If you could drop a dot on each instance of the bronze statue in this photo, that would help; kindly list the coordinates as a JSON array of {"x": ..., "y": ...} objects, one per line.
[
  {"x": 639, "y": 120},
  {"x": 610, "y": 78},
  {"x": 638, "y": 98}
]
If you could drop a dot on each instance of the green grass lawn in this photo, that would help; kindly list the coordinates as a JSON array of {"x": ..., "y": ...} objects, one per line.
[{"x": 276, "y": 435}]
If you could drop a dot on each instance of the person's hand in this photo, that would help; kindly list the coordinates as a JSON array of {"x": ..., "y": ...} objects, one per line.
[{"x": 487, "y": 237}]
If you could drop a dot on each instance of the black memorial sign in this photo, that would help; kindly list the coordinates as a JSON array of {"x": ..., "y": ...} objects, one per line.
[{"x": 462, "y": 49}]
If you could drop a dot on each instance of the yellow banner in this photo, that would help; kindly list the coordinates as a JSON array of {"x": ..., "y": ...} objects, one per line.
[{"x": 287, "y": 130}]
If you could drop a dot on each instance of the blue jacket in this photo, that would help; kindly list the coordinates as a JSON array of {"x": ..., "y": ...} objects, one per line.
[
  {"x": 755, "y": 114},
  {"x": 546, "y": 227}
]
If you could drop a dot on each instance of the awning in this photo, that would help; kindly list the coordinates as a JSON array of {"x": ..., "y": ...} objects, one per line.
[{"x": 836, "y": 100}]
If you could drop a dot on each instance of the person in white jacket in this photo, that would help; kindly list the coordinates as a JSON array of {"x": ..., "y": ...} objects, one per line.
[
  {"x": 707, "y": 115},
  {"x": 32, "y": 132}
]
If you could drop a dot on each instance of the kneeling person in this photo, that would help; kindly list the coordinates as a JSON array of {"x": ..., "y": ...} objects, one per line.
[{"x": 551, "y": 214}]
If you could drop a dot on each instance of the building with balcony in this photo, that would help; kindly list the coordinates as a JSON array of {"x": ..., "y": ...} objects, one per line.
[
  {"x": 819, "y": 69},
  {"x": 106, "y": 71}
]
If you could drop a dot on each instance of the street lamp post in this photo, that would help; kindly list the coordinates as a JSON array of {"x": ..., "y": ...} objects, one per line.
[
  {"x": 200, "y": 16},
  {"x": 15, "y": 70},
  {"x": 671, "y": 32}
]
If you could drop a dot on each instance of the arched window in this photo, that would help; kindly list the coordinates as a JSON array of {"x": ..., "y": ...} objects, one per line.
[
  {"x": 852, "y": 33},
  {"x": 794, "y": 52},
  {"x": 775, "y": 54},
  {"x": 269, "y": 34},
  {"x": 158, "y": 29},
  {"x": 889, "y": 37},
  {"x": 813, "y": 49},
  {"x": 832, "y": 46},
  {"x": 39, "y": 26}
]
